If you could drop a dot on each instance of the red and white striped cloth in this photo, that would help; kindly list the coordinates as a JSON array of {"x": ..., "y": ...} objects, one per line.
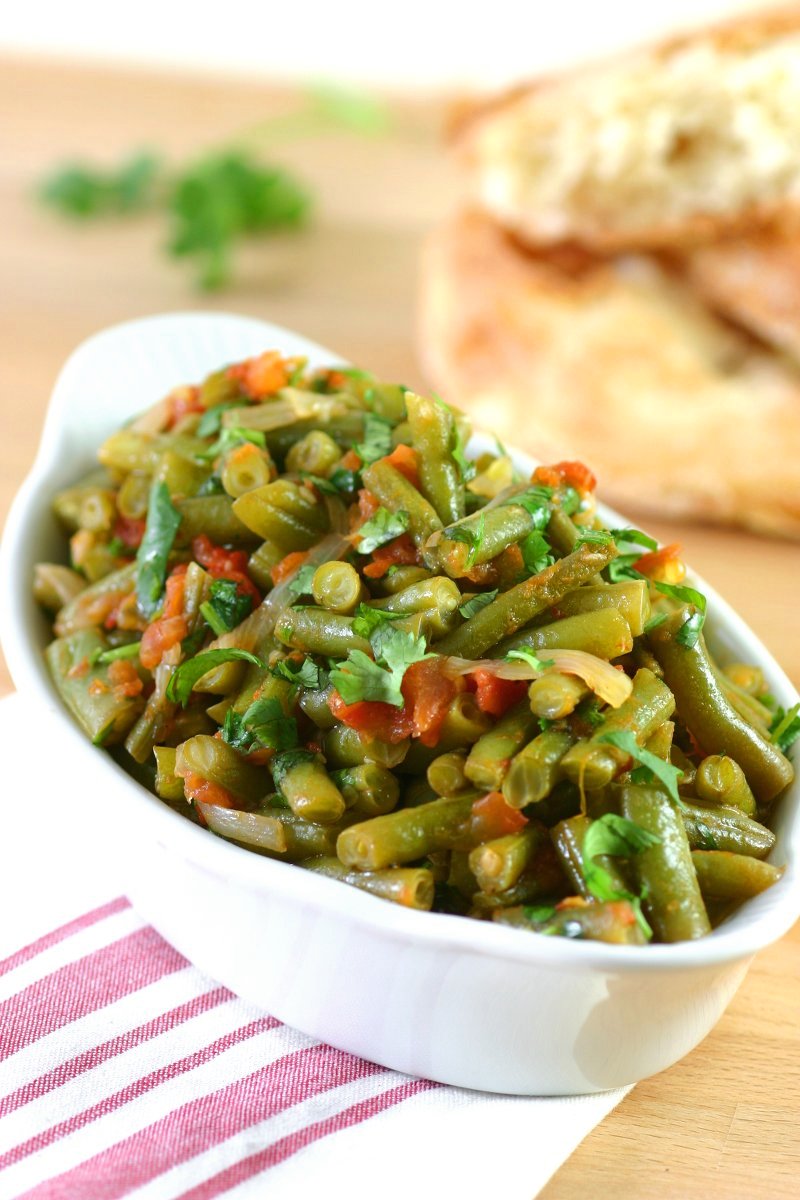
[{"x": 126, "y": 1072}]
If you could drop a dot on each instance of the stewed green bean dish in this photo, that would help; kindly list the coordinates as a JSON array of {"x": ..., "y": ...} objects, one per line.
[{"x": 303, "y": 617}]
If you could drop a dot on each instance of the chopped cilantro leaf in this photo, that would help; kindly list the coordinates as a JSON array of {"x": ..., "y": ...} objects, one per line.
[
  {"x": 183, "y": 679},
  {"x": 163, "y": 520},
  {"x": 536, "y": 553},
  {"x": 785, "y": 728},
  {"x": 663, "y": 771},
  {"x": 344, "y": 480},
  {"x": 117, "y": 547},
  {"x": 326, "y": 486},
  {"x": 614, "y": 835},
  {"x": 225, "y": 607},
  {"x": 655, "y": 621},
  {"x": 300, "y": 584},
  {"x": 290, "y": 757},
  {"x": 593, "y": 537},
  {"x": 633, "y": 537},
  {"x": 536, "y": 501},
  {"x": 707, "y": 839},
  {"x": 305, "y": 674},
  {"x": 367, "y": 619},
  {"x": 466, "y": 469},
  {"x": 211, "y": 420},
  {"x": 377, "y": 441},
  {"x": 230, "y": 438},
  {"x": 361, "y": 678},
  {"x": 211, "y": 486},
  {"x": 622, "y": 568},
  {"x": 270, "y": 725},
  {"x": 689, "y": 632},
  {"x": 383, "y": 527},
  {"x": 469, "y": 536},
  {"x": 476, "y": 603},
  {"x": 539, "y": 913}
]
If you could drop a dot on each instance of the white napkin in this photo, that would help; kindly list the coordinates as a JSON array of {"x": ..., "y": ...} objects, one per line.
[{"x": 126, "y": 1072}]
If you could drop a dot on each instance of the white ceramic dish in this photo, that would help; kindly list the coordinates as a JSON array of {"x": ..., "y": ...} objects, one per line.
[{"x": 459, "y": 1001}]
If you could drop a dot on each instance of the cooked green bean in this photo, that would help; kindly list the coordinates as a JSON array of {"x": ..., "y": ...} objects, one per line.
[
  {"x": 748, "y": 679},
  {"x": 368, "y": 788},
  {"x": 54, "y": 585},
  {"x": 498, "y": 864},
  {"x": 535, "y": 770},
  {"x": 605, "y": 633},
  {"x": 664, "y": 871},
  {"x": 315, "y": 453},
  {"x": 343, "y": 747},
  {"x": 407, "y": 834},
  {"x": 717, "y": 827},
  {"x": 396, "y": 493},
  {"x": 613, "y": 922},
  {"x": 337, "y": 587},
  {"x": 726, "y": 876},
  {"x": 446, "y": 773},
  {"x": 720, "y": 780},
  {"x": 217, "y": 762},
  {"x": 309, "y": 790},
  {"x": 568, "y": 838},
  {"x": 510, "y": 610},
  {"x": 630, "y": 599},
  {"x": 593, "y": 763},
  {"x": 490, "y": 758},
  {"x": 169, "y": 786},
  {"x": 104, "y": 713},
  {"x": 433, "y": 431},
  {"x": 554, "y": 695},
  {"x": 214, "y": 516},
  {"x": 318, "y": 631},
  {"x": 711, "y": 718},
  {"x": 274, "y": 829},
  {"x": 412, "y": 887}
]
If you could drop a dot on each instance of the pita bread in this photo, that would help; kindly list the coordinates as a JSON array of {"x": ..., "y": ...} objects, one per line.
[
  {"x": 618, "y": 363},
  {"x": 683, "y": 143}
]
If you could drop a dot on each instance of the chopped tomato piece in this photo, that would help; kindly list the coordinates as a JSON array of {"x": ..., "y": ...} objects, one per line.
[
  {"x": 159, "y": 637},
  {"x": 493, "y": 817},
  {"x": 405, "y": 460},
  {"x": 261, "y": 376},
  {"x": 195, "y": 787},
  {"x": 368, "y": 505},
  {"x": 351, "y": 461},
  {"x": 496, "y": 696},
  {"x": 399, "y": 551},
  {"x": 664, "y": 565},
  {"x": 98, "y": 687},
  {"x": 226, "y": 564},
  {"x": 181, "y": 402},
  {"x": 292, "y": 562},
  {"x": 129, "y": 530},
  {"x": 373, "y": 718},
  {"x": 571, "y": 474},
  {"x": 428, "y": 693},
  {"x": 124, "y": 678}
]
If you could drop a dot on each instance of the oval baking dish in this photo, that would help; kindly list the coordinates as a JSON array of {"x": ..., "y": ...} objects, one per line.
[{"x": 463, "y": 1002}]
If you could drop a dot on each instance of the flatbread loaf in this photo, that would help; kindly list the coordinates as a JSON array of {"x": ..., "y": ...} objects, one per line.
[
  {"x": 616, "y": 362},
  {"x": 754, "y": 281},
  {"x": 689, "y": 141}
]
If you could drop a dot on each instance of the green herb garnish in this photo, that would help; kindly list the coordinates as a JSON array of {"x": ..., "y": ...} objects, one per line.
[
  {"x": 129, "y": 650},
  {"x": 361, "y": 678},
  {"x": 183, "y": 679},
  {"x": 530, "y": 659},
  {"x": 476, "y": 603},
  {"x": 536, "y": 552},
  {"x": 665, "y": 772},
  {"x": 367, "y": 619},
  {"x": 377, "y": 441},
  {"x": 152, "y": 556},
  {"x": 785, "y": 728},
  {"x": 615, "y": 836},
  {"x": 225, "y": 608},
  {"x": 382, "y": 527},
  {"x": 689, "y": 631},
  {"x": 305, "y": 674}
]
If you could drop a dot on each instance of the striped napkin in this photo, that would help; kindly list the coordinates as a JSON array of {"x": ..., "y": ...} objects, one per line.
[{"x": 124, "y": 1071}]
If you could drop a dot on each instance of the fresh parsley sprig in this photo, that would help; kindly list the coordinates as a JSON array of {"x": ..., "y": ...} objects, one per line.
[
  {"x": 382, "y": 527},
  {"x": 362, "y": 678},
  {"x": 617, "y": 837},
  {"x": 665, "y": 772},
  {"x": 689, "y": 631}
]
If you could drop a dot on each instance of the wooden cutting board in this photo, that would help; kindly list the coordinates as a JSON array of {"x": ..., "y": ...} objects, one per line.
[{"x": 725, "y": 1120}]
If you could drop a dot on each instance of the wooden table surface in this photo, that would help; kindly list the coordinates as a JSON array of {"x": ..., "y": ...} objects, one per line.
[{"x": 727, "y": 1117}]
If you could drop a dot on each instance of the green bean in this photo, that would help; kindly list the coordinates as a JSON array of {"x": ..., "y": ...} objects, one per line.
[
  {"x": 218, "y": 388},
  {"x": 665, "y": 874},
  {"x": 432, "y": 592},
  {"x": 554, "y": 695},
  {"x": 463, "y": 723},
  {"x": 725, "y": 876},
  {"x": 260, "y": 684},
  {"x": 187, "y": 723},
  {"x": 631, "y": 599},
  {"x": 314, "y": 703},
  {"x": 316, "y": 453},
  {"x": 542, "y": 879},
  {"x": 134, "y": 494},
  {"x": 593, "y": 763},
  {"x": 218, "y": 711},
  {"x": 747, "y": 678},
  {"x": 215, "y": 517},
  {"x": 509, "y": 611},
  {"x": 283, "y": 512},
  {"x": 446, "y": 773},
  {"x": 485, "y": 533},
  {"x": 562, "y": 802},
  {"x": 604, "y": 633},
  {"x": 535, "y": 770},
  {"x": 368, "y": 789},
  {"x": 490, "y": 757},
  {"x": 709, "y": 715},
  {"x": 129, "y": 450},
  {"x": 614, "y": 922},
  {"x": 433, "y": 432},
  {"x": 411, "y": 887},
  {"x": 318, "y": 631},
  {"x": 169, "y": 786},
  {"x": 747, "y": 706},
  {"x": 216, "y": 761},
  {"x": 54, "y": 585},
  {"x": 396, "y": 493},
  {"x": 407, "y": 834},
  {"x": 498, "y": 864},
  {"x": 261, "y": 562},
  {"x": 91, "y": 554},
  {"x": 337, "y": 587},
  {"x": 274, "y": 829},
  {"x": 344, "y": 747},
  {"x": 720, "y": 780},
  {"x": 91, "y": 606},
  {"x": 418, "y": 791},
  {"x": 562, "y": 532},
  {"x": 660, "y": 741},
  {"x": 717, "y": 827},
  {"x": 398, "y": 578},
  {"x": 309, "y": 790},
  {"x": 183, "y": 476},
  {"x": 568, "y": 838},
  {"x": 345, "y": 431},
  {"x": 86, "y": 506},
  {"x": 87, "y": 692},
  {"x": 244, "y": 469}
]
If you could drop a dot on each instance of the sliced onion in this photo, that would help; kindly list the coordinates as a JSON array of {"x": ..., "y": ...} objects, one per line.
[
  {"x": 262, "y": 620},
  {"x": 605, "y": 681}
]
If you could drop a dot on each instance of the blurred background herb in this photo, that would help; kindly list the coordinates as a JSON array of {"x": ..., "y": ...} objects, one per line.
[{"x": 231, "y": 193}]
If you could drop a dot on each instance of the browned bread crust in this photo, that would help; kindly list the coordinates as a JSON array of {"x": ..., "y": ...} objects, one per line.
[
  {"x": 616, "y": 362},
  {"x": 678, "y": 144}
]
